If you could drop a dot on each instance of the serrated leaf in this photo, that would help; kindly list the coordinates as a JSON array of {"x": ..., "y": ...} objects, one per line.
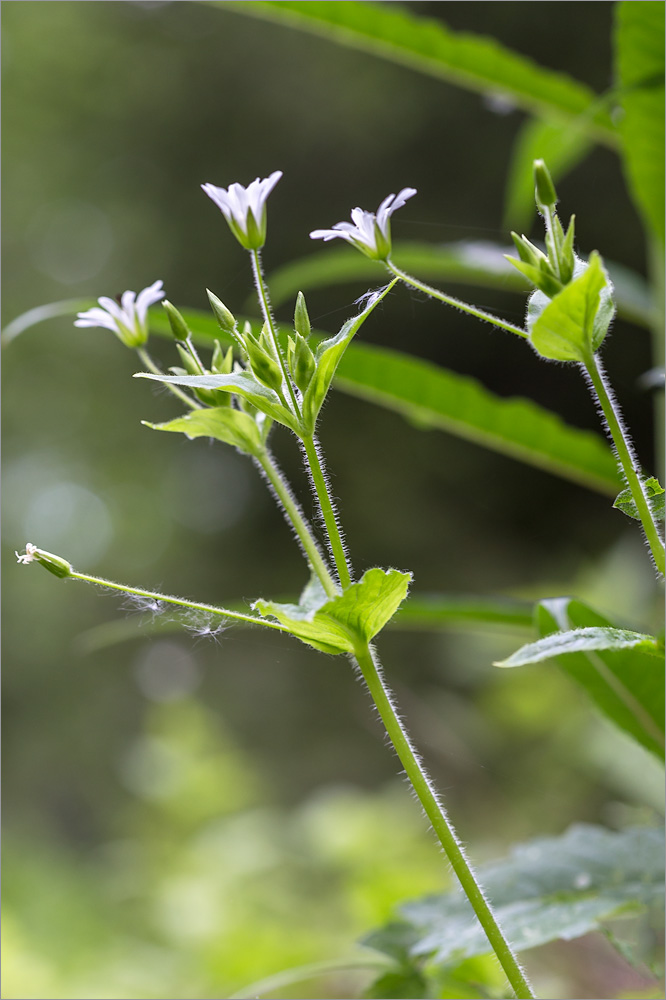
[
  {"x": 655, "y": 495},
  {"x": 222, "y": 423},
  {"x": 580, "y": 640},
  {"x": 328, "y": 356},
  {"x": 639, "y": 66},
  {"x": 560, "y": 146},
  {"x": 575, "y": 321},
  {"x": 239, "y": 383},
  {"x": 627, "y": 685},
  {"x": 473, "y": 61},
  {"x": 339, "y": 624},
  {"x": 432, "y": 397},
  {"x": 547, "y": 889}
]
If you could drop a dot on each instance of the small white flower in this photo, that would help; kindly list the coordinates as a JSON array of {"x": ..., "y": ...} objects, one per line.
[
  {"x": 28, "y": 556},
  {"x": 126, "y": 319},
  {"x": 370, "y": 233},
  {"x": 244, "y": 208}
]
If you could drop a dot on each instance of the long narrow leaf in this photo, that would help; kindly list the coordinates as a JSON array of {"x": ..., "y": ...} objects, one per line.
[
  {"x": 473, "y": 61},
  {"x": 465, "y": 262},
  {"x": 433, "y": 397}
]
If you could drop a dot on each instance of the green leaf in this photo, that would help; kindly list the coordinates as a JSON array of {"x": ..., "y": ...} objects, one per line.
[
  {"x": 576, "y": 320},
  {"x": 338, "y": 625},
  {"x": 561, "y": 146},
  {"x": 467, "y": 262},
  {"x": 627, "y": 685},
  {"x": 639, "y": 65},
  {"x": 220, "y": 422},
  {"x": 655, "y": 495},
  {"x": 328, "y": 356},
  {"x": 430, "y": 396},
  {"x": 580, "y": 640},
  {"x": 401, "y": 984},
  {"x": 239, "y": 383},
  {"x": 476, "y": 62},
  {"x": 548, "y": 889}
]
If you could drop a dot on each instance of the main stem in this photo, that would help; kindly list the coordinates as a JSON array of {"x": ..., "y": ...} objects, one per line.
[
  {"x": 295, "y": 516},
  {"x": 627, "y": 459},
  {"x": 449, "y": 300},
  {"x": 328, "y": 513},
  {"x": 264, "y": 302},
  {"x": 381, "y": 695}
]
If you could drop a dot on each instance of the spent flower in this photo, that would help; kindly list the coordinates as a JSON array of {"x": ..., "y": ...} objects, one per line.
[
  {"x": 244, "y": 208},
  {"x": 369, "y": 233},
  {"x": 127, "y": 318}
]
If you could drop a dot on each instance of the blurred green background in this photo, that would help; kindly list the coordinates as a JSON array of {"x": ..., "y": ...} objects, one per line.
[{"x": 185, "y": 815}]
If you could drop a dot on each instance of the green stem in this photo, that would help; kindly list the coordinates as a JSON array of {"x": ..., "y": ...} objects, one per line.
[
  {"x": 328, "y": 513},
  {"x": 264, "y": 301},
  {"x": 298, "y": 522},
  {"x": 626, "y": 457},
  {"x": 449, "y": 300},
  {"x": 381, "y": 695},
  {"x": 180, "y": 601},
  {"x": 156, "y": 370}
]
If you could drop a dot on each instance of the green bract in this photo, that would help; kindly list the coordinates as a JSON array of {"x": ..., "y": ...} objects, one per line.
[
  {"x": 572, "y": 325},
  {"x": 342, "y": 623}
]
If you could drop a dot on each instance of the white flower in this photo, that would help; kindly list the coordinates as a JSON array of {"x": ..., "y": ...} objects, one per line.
[
  {"x": 244, "y": 208},
  {"x": 371, "y": 234},
  {"x": 28, "y": 556},
  {"x": 127, "y": 319}
]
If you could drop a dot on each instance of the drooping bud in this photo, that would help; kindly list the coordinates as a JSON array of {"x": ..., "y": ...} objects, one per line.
[
  {"x": 545, "y": 192},
  {"x": 178, "y": 325},
  {"x": 53, "y": 563},
  {"x": 301, "y": 317},
  {"x": 224, "y": 317}
]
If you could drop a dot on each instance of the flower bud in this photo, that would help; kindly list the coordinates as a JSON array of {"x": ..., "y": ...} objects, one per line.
[
  {"x": 224, "y": 317},
  {"x": 546, "y": 194},
  {"x": 178, "y": 325},
  {"x": 189, "y": 363},
  {"x": 264, "y": 367},
  {"x": 303, "y": 363},
  {"x": 222, "y": 361},
  {"x": 301, "y": 318}
]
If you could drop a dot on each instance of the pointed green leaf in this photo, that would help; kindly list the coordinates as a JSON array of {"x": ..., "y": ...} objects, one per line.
[
  {"x": 338, "y": 625},
  {"x": 437, "y": 611},
  {"x": 430, "y": 396},
  {"x": 568, "y": 328},
  {"x": 655, "y": 494},
  {"x": 626, "y": 684},
  {"x": 639, "y": 59},
  {"x": 238, "y": 383},
  {"x": 548, "y": 889},
  {"x": 328, "y": 357},
  {"x": 580, "y": 640},
  {"x": 473, "y": 61},
  {"x": 222, "y": 423}
]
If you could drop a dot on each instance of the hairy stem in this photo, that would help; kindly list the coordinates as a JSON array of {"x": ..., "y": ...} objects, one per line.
[
  {"x": 626, "y": 457},
  {"x": 328, "y": 513},
  {"x": 381, "y": 695},
  {"x": 449, "y": 300},
  {"x": 156, "y": 370},
  {"x": 295, "y": 517},
  {"x": 264, "y": 302}
]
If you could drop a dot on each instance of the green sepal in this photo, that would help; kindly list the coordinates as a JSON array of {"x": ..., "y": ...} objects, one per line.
[
  {"x": 340, "y": 624},
  {"x": 222, "y": 362},
  {"x": 540, "y": 278},
  {"x": 303, "y": 363},
  {"x": 263, "y": 364},
  {"x": 567, "y": 256},
  {"x": 189, "y": 363},
  {"x": 574, "y": 323},
  {"x": 222, "y": 423},
  {"x": 655, "y": 497},
  {"x": 241, "y": 384},
  {"x": 327, "y": 358}
]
